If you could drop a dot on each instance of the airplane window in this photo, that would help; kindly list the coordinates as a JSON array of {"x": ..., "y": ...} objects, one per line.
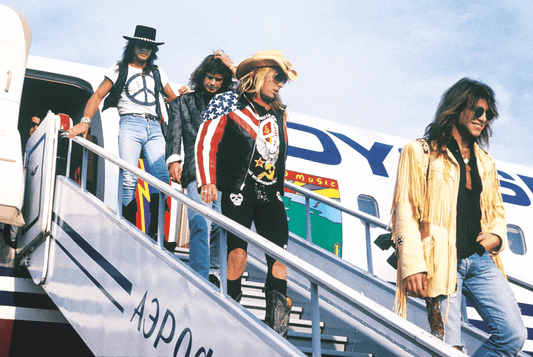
[
  {"x": 517, "y": 242},
  {"x": 368, "y": 205}
]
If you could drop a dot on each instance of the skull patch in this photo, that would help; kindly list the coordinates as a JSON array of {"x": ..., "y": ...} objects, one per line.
[{"x": 236, "y": 199}]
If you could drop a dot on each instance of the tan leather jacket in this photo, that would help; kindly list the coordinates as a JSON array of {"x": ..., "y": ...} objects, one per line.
[{"x": 424, "y": 213}]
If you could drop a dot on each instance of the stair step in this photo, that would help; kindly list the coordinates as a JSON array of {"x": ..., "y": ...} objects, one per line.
[
  {"x": 260, "y": 314},
  {"x": 326, "y": 353},
  {"x": 253, "y": 303},
  {"x": 296, "y": 323},
  {"x": 302, "y": 326},
  {"x": 260, "y": 304},
  {"x": 253, "y": 284},
  {"x": 329, "y": 342},
  {"x": 253, "y": 293},
  {"x": 300, "y": 331}
]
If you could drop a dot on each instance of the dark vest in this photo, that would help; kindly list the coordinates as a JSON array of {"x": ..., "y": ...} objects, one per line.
[{"x": 114, "y": 94}]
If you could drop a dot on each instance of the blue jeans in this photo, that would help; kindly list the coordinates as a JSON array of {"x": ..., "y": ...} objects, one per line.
[
  {"x": 136, "y": 134},
  {"x": 484, "y": 285},
  {"x": 204, "y": 236}
]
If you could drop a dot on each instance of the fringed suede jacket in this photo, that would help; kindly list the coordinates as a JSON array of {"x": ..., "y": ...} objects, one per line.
[{"x": 424, "y": 214}]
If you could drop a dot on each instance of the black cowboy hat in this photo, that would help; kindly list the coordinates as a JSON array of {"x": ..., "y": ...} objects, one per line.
[{"x": 145, "y": 34}]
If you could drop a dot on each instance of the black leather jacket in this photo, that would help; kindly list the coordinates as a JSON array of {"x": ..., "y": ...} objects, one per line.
[{"x": 184, "y": 118}]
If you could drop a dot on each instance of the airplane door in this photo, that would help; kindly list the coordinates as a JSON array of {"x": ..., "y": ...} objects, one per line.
[
  {"x": 40, "y": 171},
  {"x": 15, "y": 38}
]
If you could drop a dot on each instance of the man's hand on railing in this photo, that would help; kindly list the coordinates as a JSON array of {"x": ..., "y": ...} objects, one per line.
[
  {"x": 174, "y": 171},
  {"x": 209, "y": 193},
  {"x": 81, "y": 128}
]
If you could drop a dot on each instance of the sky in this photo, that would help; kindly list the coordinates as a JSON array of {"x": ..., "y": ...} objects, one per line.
[{"x": 377, "y": 65}]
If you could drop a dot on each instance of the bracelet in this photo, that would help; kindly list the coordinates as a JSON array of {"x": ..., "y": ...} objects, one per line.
[{"x": 85, "y": 120}]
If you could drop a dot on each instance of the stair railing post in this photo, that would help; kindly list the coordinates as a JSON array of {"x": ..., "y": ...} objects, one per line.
[
  {"x": 223, "y": 262},
  {"x": 369, "y": 248},
  {"x": 120, "y": 190},
  {"x": 315, "y": 319},
  {"x": 308, "y": 220},
  {"x": 161, "y": 220},
  {"x": 84, "y": 169},
  {"x": 69, "y": 158}
]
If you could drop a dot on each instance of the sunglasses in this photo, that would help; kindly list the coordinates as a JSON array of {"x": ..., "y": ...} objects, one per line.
[
  {"x": 478, "y": 112},
  {"x": 280, "y": 77},
  {"x": 144, "y": 45},
  {"x": 34, "y": 125}
]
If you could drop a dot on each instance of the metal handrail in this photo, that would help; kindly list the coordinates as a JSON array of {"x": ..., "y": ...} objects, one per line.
[
  {"x": 370, "y": 220},
  {"x": 519, "y": 282},
  {"x": 336, "y": 204},
  {"x": 316, "y": 277}
]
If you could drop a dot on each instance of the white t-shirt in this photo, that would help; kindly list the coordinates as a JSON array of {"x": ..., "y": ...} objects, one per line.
[{"x": 138, "y": 95}]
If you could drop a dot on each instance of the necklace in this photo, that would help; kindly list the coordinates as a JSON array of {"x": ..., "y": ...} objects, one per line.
[{"x": 466, "y": 157}]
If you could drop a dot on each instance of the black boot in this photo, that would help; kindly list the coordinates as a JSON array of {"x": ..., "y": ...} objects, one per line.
[
  {"x": 234, "y": 288},
  {"x": 130, "y": 212},
  {"x": 154, "y": 215},
  {"x": 154, "y": 222},
  {"x": 278, "y": 309}
]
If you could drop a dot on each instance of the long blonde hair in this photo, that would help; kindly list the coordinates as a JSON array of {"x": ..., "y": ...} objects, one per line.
[{"x": 252, "y": 83}]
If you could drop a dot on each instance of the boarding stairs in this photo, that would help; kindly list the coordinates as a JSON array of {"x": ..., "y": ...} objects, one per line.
[
  {"x": 300, "y": 326},
  {"x": 126, "y": 295}
]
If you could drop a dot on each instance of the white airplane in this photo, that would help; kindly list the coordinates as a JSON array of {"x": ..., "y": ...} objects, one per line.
[{"x": 353, "y": 166}]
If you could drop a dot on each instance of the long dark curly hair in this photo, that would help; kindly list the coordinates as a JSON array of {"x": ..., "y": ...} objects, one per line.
[
  {"x": 462, "y": 95},
  {"x": 212, "y": 65}
]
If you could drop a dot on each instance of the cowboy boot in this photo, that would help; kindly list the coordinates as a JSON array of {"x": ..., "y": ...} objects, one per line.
[{"x": 278, "y": 308}]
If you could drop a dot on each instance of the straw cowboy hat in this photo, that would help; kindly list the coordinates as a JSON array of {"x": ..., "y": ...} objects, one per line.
[
  {"x": 268, "y": 58},
  {"x": 145, "y": 34}
]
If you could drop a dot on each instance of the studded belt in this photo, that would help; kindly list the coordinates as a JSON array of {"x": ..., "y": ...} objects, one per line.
[{"x": 143, "y": 115}]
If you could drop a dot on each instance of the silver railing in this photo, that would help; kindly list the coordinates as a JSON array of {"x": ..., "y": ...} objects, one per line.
[
  {"x": 368, "y": 221},
  {"x": 376, "y": 313}
]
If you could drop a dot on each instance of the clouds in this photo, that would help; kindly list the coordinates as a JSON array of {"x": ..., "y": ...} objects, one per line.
[{"x": 378, "y": 65}]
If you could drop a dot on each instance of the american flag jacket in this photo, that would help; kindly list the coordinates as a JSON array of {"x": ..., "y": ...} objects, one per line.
[{"x": 226, "y": 142}]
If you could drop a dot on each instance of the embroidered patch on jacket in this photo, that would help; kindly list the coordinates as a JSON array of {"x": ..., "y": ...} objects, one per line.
[
  {"x": 399, "y": 241},
  {"x": 424, "y": 144},
  {"x": 236, "y": 199}
]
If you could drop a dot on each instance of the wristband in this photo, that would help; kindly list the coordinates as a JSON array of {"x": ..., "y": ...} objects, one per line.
[{"x": 85, "y": 120}]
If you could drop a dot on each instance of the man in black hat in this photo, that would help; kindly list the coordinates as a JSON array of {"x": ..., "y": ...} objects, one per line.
[
  {"x": 214, "y": 75},
  {"x": 134, "y": 86}
]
